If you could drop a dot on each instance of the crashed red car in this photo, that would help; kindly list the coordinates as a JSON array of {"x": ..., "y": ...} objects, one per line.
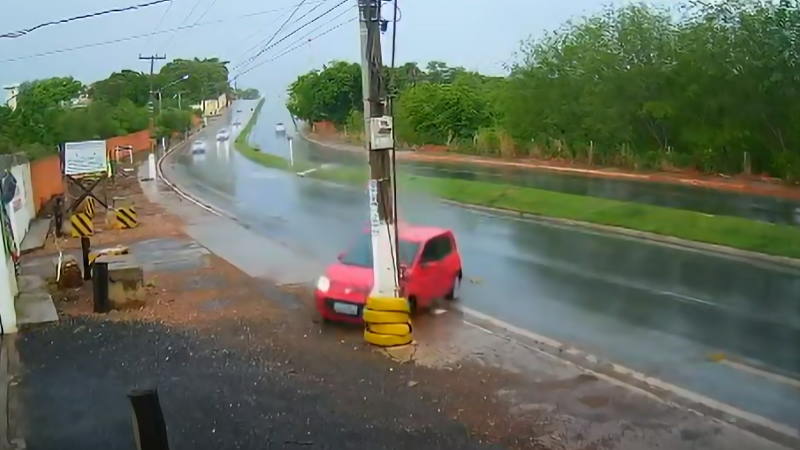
[{"x": 430, "y": 269}]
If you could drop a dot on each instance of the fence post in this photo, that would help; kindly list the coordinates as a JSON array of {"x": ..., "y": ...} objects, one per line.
[
  {"x": 85, "y": 248},
  {"x": 100, "y": 285},
  {"x": 149, "y": 428}
]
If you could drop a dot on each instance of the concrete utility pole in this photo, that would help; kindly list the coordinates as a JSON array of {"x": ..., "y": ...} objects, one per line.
[
  {"x": 152, "y": 59},
  {"x": 380, "y": 145}
]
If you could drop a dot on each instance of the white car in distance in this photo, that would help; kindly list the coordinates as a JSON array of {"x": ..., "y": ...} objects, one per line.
[{"x": 198, "y": 147}]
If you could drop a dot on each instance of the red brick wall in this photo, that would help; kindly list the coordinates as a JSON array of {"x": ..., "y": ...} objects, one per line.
[
  {"x": 140, "y": 141},
  {"x": 325, "y": 128}
]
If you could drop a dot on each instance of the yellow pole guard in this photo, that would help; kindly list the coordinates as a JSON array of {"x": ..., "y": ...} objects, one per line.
[
  {"x": 388, "y": 304},
  {"x": 379, "y": 317}
]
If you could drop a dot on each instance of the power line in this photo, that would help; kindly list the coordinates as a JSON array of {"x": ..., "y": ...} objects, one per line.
[
  {"x": 136, "y": 36},
  {"x": 258, "y": 32},
  {"x": 182, "y": 23},
  {"x": 160, "y": 21},
  {"x": 296, "y": 47},
  {"x": 280, "y": 28},
  {"x": 243, "y": 63},
  {"x": 265, "y": 49},
  {"x": 24, "y": 31},
  {"x": 210, "y": 7}
]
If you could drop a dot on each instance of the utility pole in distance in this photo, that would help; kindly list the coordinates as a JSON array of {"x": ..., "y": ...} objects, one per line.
[
  {"x": 383, "y": 305},
  {"x": 152, "y": 59}
]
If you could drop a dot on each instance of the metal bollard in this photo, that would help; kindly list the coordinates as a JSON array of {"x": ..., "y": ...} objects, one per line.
[
  {"x": 59, "y": 215},
  {"x": 100, "y": 285},
  {"x": 86, "y": 246},
  {"x": 149, "y": 428}
]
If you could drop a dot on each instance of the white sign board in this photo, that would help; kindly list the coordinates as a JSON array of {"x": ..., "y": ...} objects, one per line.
[{"x": 84, "y": 157}]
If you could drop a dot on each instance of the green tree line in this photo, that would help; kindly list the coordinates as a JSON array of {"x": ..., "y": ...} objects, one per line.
[
  {"x": 711, "y": 86},
  {"x": 61, "y": 109}
]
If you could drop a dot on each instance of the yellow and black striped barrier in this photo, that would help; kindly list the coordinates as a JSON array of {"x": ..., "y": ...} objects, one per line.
[
  {"x": 387, "y": 322},
  {"x": 82, "y": 225},
  {"x": 88, "y": 206},
  {"x": 125, "y": 218},
  {"x": 113, "y": 251}
]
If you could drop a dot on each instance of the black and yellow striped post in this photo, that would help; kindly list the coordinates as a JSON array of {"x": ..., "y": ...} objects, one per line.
[
  {"x": 113, "y": 251},
  {"x": 88, "y": 206},
  {"x": 82, "y": 225},
  {"x": 125, "y": 218},
  {"x": 387, "y": 322}
]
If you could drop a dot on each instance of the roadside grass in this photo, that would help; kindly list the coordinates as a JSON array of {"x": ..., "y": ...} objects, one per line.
[{"x": 735, "y": 232}]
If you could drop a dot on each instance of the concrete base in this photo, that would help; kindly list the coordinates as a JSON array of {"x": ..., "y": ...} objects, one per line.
[
  {"x": 36, "y": 236},
  {"x": 125, "y": 281},
  {"x": 34, "y": 304}
]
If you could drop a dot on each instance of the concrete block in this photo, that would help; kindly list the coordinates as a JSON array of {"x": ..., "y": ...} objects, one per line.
[{"x": 125, "y": 281}]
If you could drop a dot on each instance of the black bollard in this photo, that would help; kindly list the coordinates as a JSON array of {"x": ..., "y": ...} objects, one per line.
[
  {"x": 149, "y": 428},
  {"x": 59, "y": 215},
  {"x": 100, "y": 285},
  {"x": 86, "y": 246}
]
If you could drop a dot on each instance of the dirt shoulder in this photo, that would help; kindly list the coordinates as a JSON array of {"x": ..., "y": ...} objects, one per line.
[
  {"x": 243, "y": 363},
  {"x": 754, "y": 185}
]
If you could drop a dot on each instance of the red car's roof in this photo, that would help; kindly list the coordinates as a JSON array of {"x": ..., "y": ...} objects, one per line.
[{"x": 419, "y": 234}]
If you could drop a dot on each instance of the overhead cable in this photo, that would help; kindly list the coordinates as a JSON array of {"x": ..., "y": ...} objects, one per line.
[{"x": 24, "y": 31}]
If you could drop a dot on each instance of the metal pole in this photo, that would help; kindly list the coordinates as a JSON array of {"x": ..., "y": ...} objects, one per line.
[
  {"x": 85, "y": 248},
  {"x": 149, "y": 428},
  {"x": 382, "y": 207},
  {"x": 100, "y": 287},
  {"x": 291, "y": 152}
]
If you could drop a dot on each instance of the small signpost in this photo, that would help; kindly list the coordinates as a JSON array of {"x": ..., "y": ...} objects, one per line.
[{"x": 85, "y": 165}]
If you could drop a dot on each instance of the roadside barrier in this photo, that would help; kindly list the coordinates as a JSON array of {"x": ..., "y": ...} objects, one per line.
[
  {"x": 88, "y": 206},
  {"x": 82, "y": 225},
  {"x": 125, "y": 218},
  {"x": 113, "y": 251},
  {"x": 387, "y": 322}
]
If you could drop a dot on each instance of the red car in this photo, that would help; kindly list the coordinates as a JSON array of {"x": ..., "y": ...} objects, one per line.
[{"x": 430, "y": 269}]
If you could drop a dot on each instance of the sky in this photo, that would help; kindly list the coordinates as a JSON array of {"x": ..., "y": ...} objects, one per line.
[{"x": 480, "y": 35}]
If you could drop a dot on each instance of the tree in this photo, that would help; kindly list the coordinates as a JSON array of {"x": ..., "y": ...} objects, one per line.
[
  {"x": 440, "y": 73},
  {"x": 38, "y": 105},
  {"x": 439, "y": 113},
  {"x": 329, "y": 94},
  {"x": 172, "y": 121},
  {"x": 127, "y": 84},
  {"x": 247, "y": 94},
  {"x": 208, "y": 78}
]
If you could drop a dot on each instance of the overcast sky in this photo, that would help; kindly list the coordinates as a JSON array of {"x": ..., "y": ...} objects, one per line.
[{"x": 477, "y": 34}]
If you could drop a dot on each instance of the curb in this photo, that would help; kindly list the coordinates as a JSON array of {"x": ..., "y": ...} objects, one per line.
[
  {"x": 635, "y": 381},
  {"x": 749, "y": 256}
]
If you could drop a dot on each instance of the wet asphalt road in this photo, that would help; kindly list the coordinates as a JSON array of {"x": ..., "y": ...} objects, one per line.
[{"x": 656, "y": 309}]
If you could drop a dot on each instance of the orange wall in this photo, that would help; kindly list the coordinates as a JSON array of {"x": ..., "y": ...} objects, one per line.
[
  {"x": 140, "y": 141},
  {"x": 325, "y": 128},
  {"x": 46, "y": 180}
]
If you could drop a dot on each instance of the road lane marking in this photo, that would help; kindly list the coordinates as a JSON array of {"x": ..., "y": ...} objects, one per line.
[{"x": 783, "y": 379}]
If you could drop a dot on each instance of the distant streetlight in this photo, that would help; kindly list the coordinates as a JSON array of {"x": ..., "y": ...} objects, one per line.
[{"x": 183, "y": 78}]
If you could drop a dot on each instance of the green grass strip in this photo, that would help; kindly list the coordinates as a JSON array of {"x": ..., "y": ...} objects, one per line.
[{"x": 736, "y": 232}]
